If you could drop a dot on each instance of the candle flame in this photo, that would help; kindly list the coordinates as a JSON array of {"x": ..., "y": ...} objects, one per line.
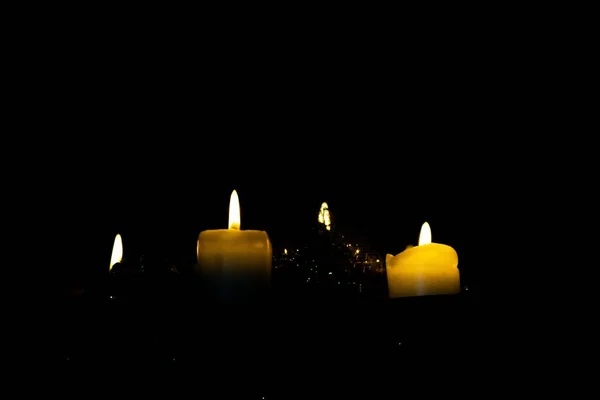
[
  {"x": 117, "y": 252},
  {"x": 425, "y": 235},
  {"x": 234, "y": 211}
]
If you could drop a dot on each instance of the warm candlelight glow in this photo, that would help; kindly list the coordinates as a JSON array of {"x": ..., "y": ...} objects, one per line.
[
  {"x": 234, "y": 211},
  {"x": 234, "y": 263},
  {"x": 427, "y": 269},
  {"x": 425, "y": 235},
  {"x": 117, "y": 252}
]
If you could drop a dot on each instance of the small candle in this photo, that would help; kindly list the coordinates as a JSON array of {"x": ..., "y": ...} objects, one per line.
[
  {"x": 119, "y": 266},
  {"x": 117, "y": 252},
  {"x": 116, "y": 269},
  {"x": 235, "y": 262},
  {"x": 426, "y": 269}
]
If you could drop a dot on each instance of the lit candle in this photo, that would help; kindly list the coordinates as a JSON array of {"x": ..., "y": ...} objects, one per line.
[
  {"x": 117, "y": 252},
  {"x": 426, "y": 269},
  {"x": 235, "y": 262},
  {"x": 115, "y": 268},
  {"x": 120, "y": 266}
]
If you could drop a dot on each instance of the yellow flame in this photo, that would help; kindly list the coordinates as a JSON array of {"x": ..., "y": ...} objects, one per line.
[
  {"x": 285, "y": 251},
  {"x": 234, "y": 211},
  {"x": 425, "y": 235},
  {"x": 117, "y": 252}
]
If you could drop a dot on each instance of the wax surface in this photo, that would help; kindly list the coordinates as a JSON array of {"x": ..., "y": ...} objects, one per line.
[
  {"x": 235, "y": 260},
  {"x": 430, "y": 269}
]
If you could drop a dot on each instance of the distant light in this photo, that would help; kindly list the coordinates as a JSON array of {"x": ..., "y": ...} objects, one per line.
[
  {"x": 324, "y": 216},
  {"x": 331, "y": 273}
]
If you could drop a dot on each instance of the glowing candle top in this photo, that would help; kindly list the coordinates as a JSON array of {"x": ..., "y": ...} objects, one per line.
[{"x": 427, "y": 269}]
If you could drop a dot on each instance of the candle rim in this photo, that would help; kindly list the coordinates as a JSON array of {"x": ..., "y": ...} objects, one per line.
[{"x": 422, "y": 246}]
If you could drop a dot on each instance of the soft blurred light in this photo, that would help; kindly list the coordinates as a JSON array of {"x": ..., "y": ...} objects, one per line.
[{"x": 324, "y": 216}]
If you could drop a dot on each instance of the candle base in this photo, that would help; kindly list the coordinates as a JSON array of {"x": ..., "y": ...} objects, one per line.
[
  {"x": 242, "y": 288},
  {"x": 238, "y": 291}
]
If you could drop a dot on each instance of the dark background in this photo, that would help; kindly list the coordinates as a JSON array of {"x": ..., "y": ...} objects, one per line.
[
  {"x": 148, "y": 138},
  {"x": 146, "y": 131},
  {"x": 160, "y": 193}
]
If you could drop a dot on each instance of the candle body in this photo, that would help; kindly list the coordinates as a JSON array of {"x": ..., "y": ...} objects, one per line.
[
  {"x": 430, "y": 269},
  {"x": 235, "y": 263}
]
